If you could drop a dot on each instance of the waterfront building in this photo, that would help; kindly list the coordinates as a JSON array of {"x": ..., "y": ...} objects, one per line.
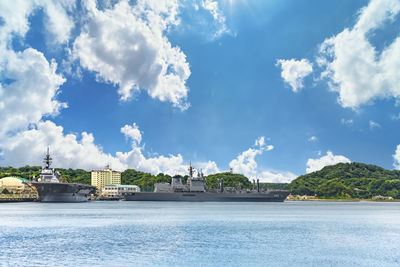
[
  {"x": 114, "y": 190},
  {"x": 16, "y": 185},
  {"x": 106, "y": 177}
]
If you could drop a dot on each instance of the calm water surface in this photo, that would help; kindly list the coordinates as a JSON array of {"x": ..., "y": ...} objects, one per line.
[{"x": 200, "y": 234}]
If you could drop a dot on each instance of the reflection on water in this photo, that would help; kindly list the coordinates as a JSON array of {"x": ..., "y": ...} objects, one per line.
[{"x": 199, "y": 234}]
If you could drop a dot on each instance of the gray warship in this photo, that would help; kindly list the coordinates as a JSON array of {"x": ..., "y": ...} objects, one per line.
[
  {"x": 51, "y": 189},
  {"x": 196, "y": 191}
]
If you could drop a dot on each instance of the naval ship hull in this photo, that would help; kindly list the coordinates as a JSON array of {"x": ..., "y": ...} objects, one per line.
[
  {"x": 269, "y": 196},
  {"x": 63, "y": 192}
]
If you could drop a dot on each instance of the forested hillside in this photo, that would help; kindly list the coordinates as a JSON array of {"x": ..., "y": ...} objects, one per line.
[{"x": 349, "y": 180}]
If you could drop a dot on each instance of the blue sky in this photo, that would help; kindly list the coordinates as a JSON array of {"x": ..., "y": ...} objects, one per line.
[{"x": 272, "y": 89}]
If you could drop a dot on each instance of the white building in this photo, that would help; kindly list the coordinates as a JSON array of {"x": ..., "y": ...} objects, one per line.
[{"x": 117, "y": 190}]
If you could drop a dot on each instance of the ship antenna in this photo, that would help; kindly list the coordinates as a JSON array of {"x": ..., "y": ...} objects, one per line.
[{"x": 47, "y": 159}]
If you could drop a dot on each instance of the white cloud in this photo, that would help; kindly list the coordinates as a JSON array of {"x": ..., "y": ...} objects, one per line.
[
  {"x": 276, "y": 177},
  {"x": 67, "y": 150},
  {"x": 73, "y": 151},
  {"x": 396, "y": 158},
  {"x": 219, "y": 18},
  {"x": 352, "y": 65},
  {"x": 127, "y": 46},
  {"x": 346, "y": 122},
  {"x": 294, "y": 71},
  {"x": 373, "y": 124},
  {"x": 16, "y": 14},
  {"x": 57, "y": 20},
  {"x": 260, "y": 141},
  {"x": 246, "y": 164},
  {"x": 132, "y": 132},
  {"x": 30, "y": 83},
  {"x": 209, "y": 167},
  {"x": 312, "y": 139},
  {"x": 80, "y": 151},
  {"x": 32, "y": 91},
  {"x": 329, "y": 159}
]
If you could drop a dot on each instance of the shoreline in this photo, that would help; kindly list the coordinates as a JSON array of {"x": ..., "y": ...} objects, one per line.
[{"x": 346, "y": 200}]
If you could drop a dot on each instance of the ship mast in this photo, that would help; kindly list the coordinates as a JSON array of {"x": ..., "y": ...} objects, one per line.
[
  {"x": 191, "y": 170},
  {"x": 47, "y": 160}
]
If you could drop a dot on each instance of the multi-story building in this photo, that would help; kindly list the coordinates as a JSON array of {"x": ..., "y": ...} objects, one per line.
[
  {"x": 105, "y": 177},
  {"x": 113, "y": 190}
]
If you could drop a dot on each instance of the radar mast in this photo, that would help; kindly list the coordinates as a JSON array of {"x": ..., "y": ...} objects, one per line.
[
  {"x": 191, "y": 170},
  {"x": 47, "y": 160}
]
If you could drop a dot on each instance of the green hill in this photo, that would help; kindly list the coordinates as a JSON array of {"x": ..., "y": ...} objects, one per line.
[{"x": 349, "y": 180}]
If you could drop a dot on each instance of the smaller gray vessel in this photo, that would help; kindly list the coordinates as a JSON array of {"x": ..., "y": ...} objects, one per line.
[
  {"x": 50, "y": 189},
  {"x": 196, "y": 191}
]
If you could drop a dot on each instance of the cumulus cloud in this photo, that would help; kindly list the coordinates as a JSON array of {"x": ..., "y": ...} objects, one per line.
[
  {"x": 80, "y": 151},
  {"x": 31, "y": 92},
  {"x": 329, "y": 159},
  {"x": 246, "y": 164},
  {"x": 352, "y": 65},
  {"x": 29, "y": 83},
  {"x": 15, "y": 15},
  {"x": 294, "y": 71},
  {"x": 276, "y": 176},
  {"x": 209, "y": 167},
  {"x": 71, "y": 150},
  {"x": 373, "y": 124},
  {"x": 127, "y": 46},
  {"x": 67, "y": 149},
  {"x": 396, "y": 158},
  {"x": 132, "y": 132},
  {"x": 57, "y": 21}
]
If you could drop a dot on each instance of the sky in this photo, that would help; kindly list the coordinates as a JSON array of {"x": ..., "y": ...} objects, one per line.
[{"x": 271, "y": 89}]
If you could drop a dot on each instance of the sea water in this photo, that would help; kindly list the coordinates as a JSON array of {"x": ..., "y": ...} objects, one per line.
[{"x": 123, "y": 233}]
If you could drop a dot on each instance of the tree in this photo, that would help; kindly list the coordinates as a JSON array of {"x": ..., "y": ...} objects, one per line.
[
  {"x": 333, "y": 188},
  {"x": 5, "y": 191}
]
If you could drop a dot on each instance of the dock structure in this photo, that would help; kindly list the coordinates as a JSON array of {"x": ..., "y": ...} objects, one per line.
[{"x": 16, "y": 198}]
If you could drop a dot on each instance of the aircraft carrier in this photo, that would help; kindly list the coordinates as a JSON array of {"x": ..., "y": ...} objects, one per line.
[
  {"x": 51, "y": 189},
  {"x": 195, "y": 191}
]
